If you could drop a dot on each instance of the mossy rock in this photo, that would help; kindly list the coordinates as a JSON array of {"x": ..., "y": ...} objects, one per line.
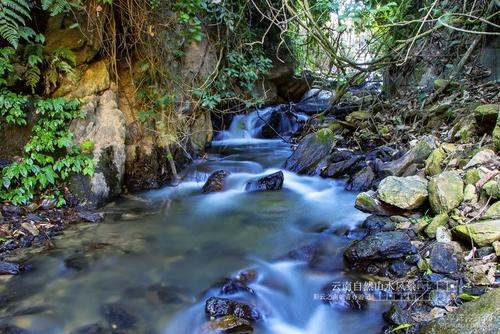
[
  {"x": 493, "y": 211},
  {"x": 446, "y": 191},
  {"x": 492, "y": 188},
  {"x": 437, "y": 221},
  {"x": 496, "y": 137},
  {"x": 483, "y": 233},
  {"x": 406, "y": 193},
  {"x": 434, "y": 161},
  {"x": 358, "y": 117},
  {"x": 486, "y": 116},
  {"x": 472, "y": 176}
]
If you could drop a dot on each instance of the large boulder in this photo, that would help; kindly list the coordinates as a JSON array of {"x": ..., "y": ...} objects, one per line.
[
  {"x": 416, "y": 155},
  {"x": 217, "y": 307},
  {"x": 311, "y": 150},
  {"x": 378, "y": 247},
  {"x": 484, "y": 233},
  {"x": 446, "y": 191},
  {"x": 270, "y": 182},
  {"x": 476, "y": 317},
  {"x": 103, "y": 126},
  {"x": 406, "y": 193},
  {"x": 215, "y": 182}
]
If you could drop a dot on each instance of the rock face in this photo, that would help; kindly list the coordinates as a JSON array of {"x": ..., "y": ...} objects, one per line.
[
  {"x": 215, "y": 182},
  {"x": 91, "y": 79},
  {"x": 104, "y": 126},
  {"x": 380, "y": 246},
  {"x": 446, "y": 191},
  {"x": 443, "y": 259},
  {"x": 476, "y": 317},
  {"x": 219, "y": 307},
  {"x": 416, "y": 155},
  {"x": 267, "y": 183},
  {"x": 311, "y": 150},
  {"x": 484, "y": 233},
  {"x": 403, "y": 192}
]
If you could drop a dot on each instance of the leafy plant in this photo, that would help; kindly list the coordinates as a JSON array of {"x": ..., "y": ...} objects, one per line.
[{"x": 14, "y": 15}]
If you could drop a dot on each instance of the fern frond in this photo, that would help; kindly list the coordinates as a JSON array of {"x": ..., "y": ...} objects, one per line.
[
  {"x": 32, "y": 77},
  {"x": 13, "y": 17}
]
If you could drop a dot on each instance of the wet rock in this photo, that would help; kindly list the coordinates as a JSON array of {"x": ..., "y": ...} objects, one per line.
[
  {"x": 369, "y": 202},
  {"x": 230, "y": 286},
  {"x": 168, "y": 294},
  {"x": 362, "y": 180},
  {"x": 118, "y": 316},
  {"x": 91, "y": 217},
  {"x": 399, "y": 268},
  {"x": 218, "y": 307},
  {"x": 446, "y": 192},
  {"x": 92, "y": 329},
  {"x": 397, "y": 315},
  {"x": 416, "y": 155},
  {"x": 215, "y": 182},
  {"x": 376, "y": 224},
  {"x": 8, "y": 268},
  {"x": 11, "y": 329},
  {"x": 314, "y": 101},
  {"x": 227, "y": 324},
  {"x": 344, "y": 299},
  {"x": 347, "y": 164},
  {"x": 484, "y": 233},
  {"x": 267, "y": 183},
  {"x": 247, "y": 276},
  {"x": 480, "y": 316},
  {"x": 380, "y": 246},
  {"x": 443, "y": 259},
  {"x": 437, "y": 221},
  {"x": 406, "y": 193},
  {"x": 312, "y": 149},
  {"x": 305, "y": 253},
  {"x": 439, "y": 298},
  {"x": 77, "y": 262}
]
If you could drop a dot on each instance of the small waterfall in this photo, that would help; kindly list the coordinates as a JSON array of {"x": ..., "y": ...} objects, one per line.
[{"x": 266, "y": 123}]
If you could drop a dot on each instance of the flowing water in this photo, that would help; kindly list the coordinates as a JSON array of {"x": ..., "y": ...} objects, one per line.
[{"x": 158, "y": 253}]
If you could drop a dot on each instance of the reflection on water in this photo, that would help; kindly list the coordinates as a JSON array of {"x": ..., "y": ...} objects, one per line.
[{"x": 158, "y": 253}]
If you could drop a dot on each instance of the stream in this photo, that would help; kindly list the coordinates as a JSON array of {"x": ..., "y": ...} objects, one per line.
[{"x": 157, "y": 254}]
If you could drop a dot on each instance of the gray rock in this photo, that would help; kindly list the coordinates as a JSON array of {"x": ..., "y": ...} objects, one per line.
[
  {"x": 362, "y": 180},
  {"x": 369, "y": 202},
  {"x": 443, "y": 259},
  {"x": 267, "y": 183},
  {"x": 397, "y": 316},
  {"x": 380, "y": 246},
  {"x": 446, "y": 191},
  {"x": 439, "y": 298},
  {"x": 406, "y": 193},
  {"x": 315, "y": 101},
  {"x": 91, "y": 217},
  {"x": 311, "y": 150}
]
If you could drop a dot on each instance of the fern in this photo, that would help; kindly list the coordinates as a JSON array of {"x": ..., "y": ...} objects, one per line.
[
  {"x": 58, "y": 6},
  {"x": 33, "y": 54},
  {"x": 61, "y": 61},
  {"x": 13, "y": 17}
]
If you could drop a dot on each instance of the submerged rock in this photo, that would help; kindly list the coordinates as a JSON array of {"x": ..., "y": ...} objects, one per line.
[
  {"x": 227, "y": 324},
  {"x": 311, "y": 150},
  {"x": 219, "y": 307},
  {"x": 406, "y": 193},
  {"x": 118, "y": 316},
  {"x": 484, "y": 233},
  {"x": 215, "y": 182},
  {"x": 446, "y": 191},
  {"x": 380, "y": 246},
  {"x": 270, "y": 182},
  {"x": 443, "y": 259},
  {"x": 476, "y": 317},
  {"x": 92, "y": 329}
]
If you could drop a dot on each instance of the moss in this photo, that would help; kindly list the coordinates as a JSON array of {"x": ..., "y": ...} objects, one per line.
[
  {"x": 324, "y": 137},
  {"x": 472, "y": 176}
]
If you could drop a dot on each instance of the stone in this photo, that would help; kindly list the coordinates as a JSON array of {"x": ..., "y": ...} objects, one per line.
[
  {"x": 492, "y": 188},
  {"x": 76, "y": 262},
  {"x": 443, "y": 235},
  {"x": 376, "y": 224},
  {"x": 343, "y": 298},
  {"x": 215, "y": 182},
  {"x": 443, "y": 259},
  {"x": 493, "y": 212},
  {"x": 496, "y": 137},
  {"x": 118, "y": 316},
  {"x": 8, "y": 268},
  {"x": 31, "y": 228},
  {"x": 343, "y": 167},
  {"x": 267, "y": 183},
  {"x": 436, "y": 222},
  {"x": 91, "y": 217},
  {"x": 399, "y": 268},
  {"x": 311, "y": 150},
  {"x": 91, "y": 80},
  {"x": 475, "y": 317},
  {"x": 357, "y": 117},
  {"x": 11, "y": 329},
  {"x": 470, "y": 194},
  {"x": 315, "y": 101},
  {"x": 486, "y": 116},
  {"x": 483, "y": 233},
  {"x": 446, "y": 192},
  {"x": 103, "y": 125},
  {"x": 201, "y": 131},
  {"x": 379, "y": 246},
  {"x": 481, "y": 158},
  {"x": 362, "y": 180},
  {"x": 472, "y": 176},
  {"x": 217, "y": 307},
  {"x": 92, "y": 329},
  {"x": 496, "y": 246},
  {"x": 397, "y": 316},
  {"x": 48, "y": 203},
  {"x": 439, "y": 298},
  {"x": 485, "y": 251},
  {"x": 434, "y": 161},
  {"x": 416, "y": 155},
  {"x": 369, "y": 202},
  {"x": 406, "y": 193},
  {"x": 227, "y": 324}
]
